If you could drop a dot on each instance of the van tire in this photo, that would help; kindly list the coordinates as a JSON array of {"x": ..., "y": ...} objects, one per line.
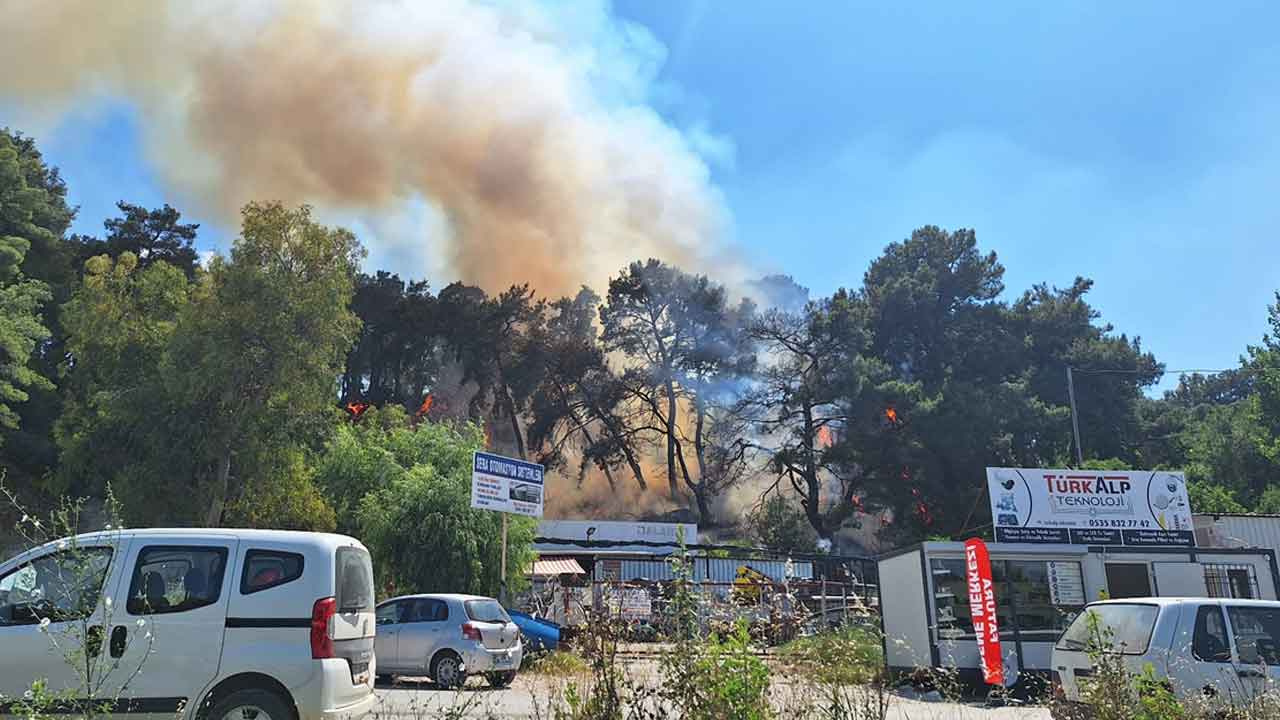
[
  {"x": 451, "y": 664},
  {"x": 250, "y": 704}
]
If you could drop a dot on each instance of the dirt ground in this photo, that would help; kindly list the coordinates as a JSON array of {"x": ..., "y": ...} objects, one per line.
[{"x": 529, "y": 697}]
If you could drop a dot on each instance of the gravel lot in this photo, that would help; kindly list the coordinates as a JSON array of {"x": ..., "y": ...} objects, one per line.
[{"x": 529, "y": 694}]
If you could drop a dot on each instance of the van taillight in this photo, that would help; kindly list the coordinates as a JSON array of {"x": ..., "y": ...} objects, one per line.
[
  {"x": 470, "y": 632},
  {"x": 321, "y": 615}
]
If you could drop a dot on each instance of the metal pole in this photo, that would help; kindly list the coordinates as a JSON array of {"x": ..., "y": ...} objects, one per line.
[
  {"x": 1075, "y": 418},
  {"x": 503, "y": 586}
]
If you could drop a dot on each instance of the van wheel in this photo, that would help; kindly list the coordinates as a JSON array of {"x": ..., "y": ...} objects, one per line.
[
  {"x": 500, "y": 679},
  {"x": 250, "y": 704},
  {"x": 447, "y": 671}
]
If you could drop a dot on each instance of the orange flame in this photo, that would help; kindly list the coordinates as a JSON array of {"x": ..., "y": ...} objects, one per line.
[
  {"x": 427, "y": 402},
  {"x": 356, "y": 408},
  {"x": 825, "y": 437},
  {"x": 891, "y": 415}
]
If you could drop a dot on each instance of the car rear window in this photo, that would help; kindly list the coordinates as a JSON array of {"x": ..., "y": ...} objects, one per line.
[
  {"x": 486, "y": 611},
  {"x": 1126, "y": 627},
  {"x": 354, "y": 581}
]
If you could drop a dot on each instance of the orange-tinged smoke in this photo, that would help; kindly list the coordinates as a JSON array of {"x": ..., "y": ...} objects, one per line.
[{"x": 523, "y": 130}]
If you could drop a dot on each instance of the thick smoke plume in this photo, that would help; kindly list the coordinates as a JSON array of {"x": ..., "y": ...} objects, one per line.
[{"x": 527, "y": 128}]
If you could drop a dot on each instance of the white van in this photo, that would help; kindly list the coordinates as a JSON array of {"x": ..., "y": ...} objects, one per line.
[
  {"x": 253, "y": 624},
  {"x": 1218, "y": 650}
]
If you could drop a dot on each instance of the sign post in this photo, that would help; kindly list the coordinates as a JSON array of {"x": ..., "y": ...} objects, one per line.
[
  {"x": 982, "y": 610},
  {"x": 1133, "y": 508},
  {"x": 508, "y": 486}
]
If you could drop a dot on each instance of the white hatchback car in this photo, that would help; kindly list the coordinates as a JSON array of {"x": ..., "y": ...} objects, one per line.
[
  {"x": 447, "y": 637},
  {"x": 196, "y": 624}
]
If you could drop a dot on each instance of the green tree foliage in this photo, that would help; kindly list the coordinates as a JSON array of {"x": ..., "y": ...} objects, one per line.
[
  {"x": 779, "y": 525},
  {"x": 411, "y": 488},
  {"x": 34, "y": 268},
  {"x": 210, "y": 384},
  {"x": 151, "y": 235},
  {"x": 400, "y": 350},
  {"x": 20, "y": 298}
]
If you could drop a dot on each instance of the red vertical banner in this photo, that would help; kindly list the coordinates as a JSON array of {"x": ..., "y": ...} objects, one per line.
[{"x": 982, "y": 608}]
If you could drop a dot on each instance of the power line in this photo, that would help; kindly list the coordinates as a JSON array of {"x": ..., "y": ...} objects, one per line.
[{"x": 1181, "y": 371}]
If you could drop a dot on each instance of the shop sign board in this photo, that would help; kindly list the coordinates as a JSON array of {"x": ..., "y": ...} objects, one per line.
[
  {"x": 506, "y": 485},
  {"x": 1141, "y": 508}
]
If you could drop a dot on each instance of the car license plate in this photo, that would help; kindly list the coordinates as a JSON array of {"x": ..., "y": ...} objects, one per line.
[
  {"x": 360, "y": 673},
  {"x": 504, "y": 661}
]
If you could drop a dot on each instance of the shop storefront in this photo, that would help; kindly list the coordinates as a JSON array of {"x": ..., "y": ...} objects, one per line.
[{"x": 1039, "y": 589}]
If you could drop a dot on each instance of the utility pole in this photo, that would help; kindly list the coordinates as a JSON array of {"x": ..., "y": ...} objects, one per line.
[{"x": 1075, "y": 418}]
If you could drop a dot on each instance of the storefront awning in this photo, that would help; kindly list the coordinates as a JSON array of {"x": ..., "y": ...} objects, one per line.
[{"x": 564, "y": 566}]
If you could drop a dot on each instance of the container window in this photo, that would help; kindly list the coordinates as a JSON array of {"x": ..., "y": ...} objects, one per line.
[{"x": 1237, "y": 582}]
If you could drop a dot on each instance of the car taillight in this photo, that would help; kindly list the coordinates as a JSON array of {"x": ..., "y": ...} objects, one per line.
[
  {"x": 321, "y": 615},
  {"x": 470, "y": 632}
]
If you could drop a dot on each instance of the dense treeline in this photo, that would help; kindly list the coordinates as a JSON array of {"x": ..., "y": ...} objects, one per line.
[{"x": 239, "y": 390}]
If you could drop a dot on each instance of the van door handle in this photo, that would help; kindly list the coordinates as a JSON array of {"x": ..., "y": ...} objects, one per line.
[
  {"x": 119, "y": 640},
  {"x": 93, "y": 641}
]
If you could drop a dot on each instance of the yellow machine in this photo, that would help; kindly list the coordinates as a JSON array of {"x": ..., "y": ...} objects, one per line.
[{"x": 749, "y": 583}]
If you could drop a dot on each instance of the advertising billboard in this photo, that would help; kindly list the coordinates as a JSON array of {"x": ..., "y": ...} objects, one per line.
[
  {"x": 506, "y": 485},
  {"x": 1138, "y": 508}
]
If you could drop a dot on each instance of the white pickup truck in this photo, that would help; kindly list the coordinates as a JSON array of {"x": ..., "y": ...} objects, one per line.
[{"x": 1220, "y": 651}]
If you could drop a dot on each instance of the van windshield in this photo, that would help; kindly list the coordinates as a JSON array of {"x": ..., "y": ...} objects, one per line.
[
  {"x": 1122, "y": 627},
  {"x": 354, "y": 580}
]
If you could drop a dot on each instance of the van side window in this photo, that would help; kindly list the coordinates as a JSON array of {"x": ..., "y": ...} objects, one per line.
[
  {"x": 60, "y": 586},
  {"x": 265, "y": 569},
  {"x": 1257, "y": 633},
  {"x": 177, "y": 578},
  {"x": 1209, "y": 639}
]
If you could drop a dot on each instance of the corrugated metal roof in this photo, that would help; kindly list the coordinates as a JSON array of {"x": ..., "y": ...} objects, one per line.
[{"x": 563, "y": 566}]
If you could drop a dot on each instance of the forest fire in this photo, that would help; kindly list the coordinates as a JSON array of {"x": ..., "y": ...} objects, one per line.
[
  {"x": 356, "y": 408},
  {"x": 425, "y": 408},
  {"x": 825, "y": 437},
  {"x": 891, "y": 415}
]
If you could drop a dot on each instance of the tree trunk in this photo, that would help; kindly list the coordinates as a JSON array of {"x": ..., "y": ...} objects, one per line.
[
  {"x": 221, "y": 489},
  {"x": 812, "y": 504},
  {"x": 671, "y": 437},
  {"x": 704, "y": 504}
]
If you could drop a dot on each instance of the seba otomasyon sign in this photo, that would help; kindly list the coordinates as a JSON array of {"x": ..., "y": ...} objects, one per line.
[{"x": 982, "y": 608}]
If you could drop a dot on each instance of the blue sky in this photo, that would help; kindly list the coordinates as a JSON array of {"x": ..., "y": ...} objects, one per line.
[{"x": 1125, "y": 142}]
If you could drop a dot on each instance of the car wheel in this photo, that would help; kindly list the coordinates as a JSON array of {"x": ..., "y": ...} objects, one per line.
[
  {"x": 250, "y": 704},
  {"x": 500, "y": 679},
  {"x": 447, "y": 671}
]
